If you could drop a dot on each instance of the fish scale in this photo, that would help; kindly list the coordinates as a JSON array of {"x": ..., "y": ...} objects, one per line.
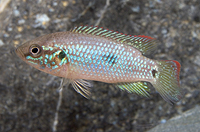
[
  {"x": 97, "y": 57},
  {"x": 91, "y": 53}
]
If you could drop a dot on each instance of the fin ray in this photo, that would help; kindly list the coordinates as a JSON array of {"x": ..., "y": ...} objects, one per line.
[
  {"x": 167, "y": 81},
  {"x": 82, "y": 86},
  {"x": 140, "y": 88}
]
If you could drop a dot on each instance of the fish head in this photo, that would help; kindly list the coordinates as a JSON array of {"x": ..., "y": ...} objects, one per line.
[{"x": 42, "y": 54}]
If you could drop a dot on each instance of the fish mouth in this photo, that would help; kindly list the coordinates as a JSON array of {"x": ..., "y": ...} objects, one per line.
[{"x": 19, "y": 52}]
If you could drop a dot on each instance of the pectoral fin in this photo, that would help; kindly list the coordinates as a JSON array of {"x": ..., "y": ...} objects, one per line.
[{"x": 82, "y": 86}]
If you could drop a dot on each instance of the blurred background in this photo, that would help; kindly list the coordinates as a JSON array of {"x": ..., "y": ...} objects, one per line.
[{"x": 28, "y": 97}]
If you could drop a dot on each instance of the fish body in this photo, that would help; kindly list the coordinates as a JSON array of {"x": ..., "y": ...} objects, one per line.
[{"x": 92, "y": 53}]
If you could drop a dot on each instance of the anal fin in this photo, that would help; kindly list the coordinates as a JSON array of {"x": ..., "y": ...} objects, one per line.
[
  {"x": 140, "y": 88},
  {"x": 82, "y": 86}
]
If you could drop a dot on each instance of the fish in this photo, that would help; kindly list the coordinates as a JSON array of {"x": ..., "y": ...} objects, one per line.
[{"x": 86, "y": 53}]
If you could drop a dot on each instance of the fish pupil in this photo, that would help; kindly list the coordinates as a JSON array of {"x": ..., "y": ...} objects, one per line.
[
  {"x": 35, "y": 50},
  {"x": 62, "y": 55}
]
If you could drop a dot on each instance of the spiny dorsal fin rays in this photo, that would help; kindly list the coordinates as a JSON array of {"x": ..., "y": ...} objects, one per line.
[
  {"x": 145, "y": 44},
  {"x": 139, "y": 88},
  {"x": 82, "y": 86}
]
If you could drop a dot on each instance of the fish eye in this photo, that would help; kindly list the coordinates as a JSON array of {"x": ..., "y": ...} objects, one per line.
[{"x": 35, "y": 50}]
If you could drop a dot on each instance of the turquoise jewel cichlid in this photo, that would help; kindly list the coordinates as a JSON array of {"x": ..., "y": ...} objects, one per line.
[{"x": 92, "y": 53}]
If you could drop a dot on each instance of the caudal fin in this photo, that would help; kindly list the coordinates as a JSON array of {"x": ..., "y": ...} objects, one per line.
[{"x": 167, "y": 81}]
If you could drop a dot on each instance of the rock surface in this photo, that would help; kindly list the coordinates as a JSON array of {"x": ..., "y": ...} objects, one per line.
[
  {"x": 28, "y": 97},
  {"x": 189, "y": 121}
]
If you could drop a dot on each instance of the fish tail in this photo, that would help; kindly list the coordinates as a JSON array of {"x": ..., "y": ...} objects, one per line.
[{"x": 166, "y": 80}]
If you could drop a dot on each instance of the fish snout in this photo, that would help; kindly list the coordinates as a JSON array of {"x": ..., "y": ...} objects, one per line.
[{"x": 19, "y": 52}]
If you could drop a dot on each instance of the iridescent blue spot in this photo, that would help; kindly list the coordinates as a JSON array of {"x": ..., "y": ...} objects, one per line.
[
  {"x": 74, "y": 58},
  {"x": 95, "y": 52},
  {"x": 98, "y": 62},
  {"x": 91, "y": 52},
  {"x": 97, "y": 57},
  {"x": 77, "y": 53},
  {"x": 54, "y": 67},
  {"x": 49, "y": 65},
  {"x": 41, "y": 62},
  {"x": 135, "y": 63},
  {"x": 70, "y": 51},
  {"x": 47, "y": 56},
  {"x": 88, "y": 50},
  {"x": 78, "y": 58},
  {"x": 90, "y": 60},
  {"x": 85, "y": 55},
  {"x": 50, "y": 57},
  {"x": 96, "y": 66},
  {"x": 83, "y": 64},
  {"x": 45, "y": 61},
  {"x": 77, "y": 46},
  {"x": 99, "y": 52},
  {"x": 82, "y": 59},
  {"x": 81, "y": 54},
  {"x": 91, "y": 65},
  {"x": 28, "y": 57},
  {"x": 86, "y": 60},
  {"x": 117, "y": 51},
  {"x": 93, "y": 56},
  {"x": 74, "y": 51},
  {"x": 53, "y": 63},
  {"x": 106, "y": 49}
]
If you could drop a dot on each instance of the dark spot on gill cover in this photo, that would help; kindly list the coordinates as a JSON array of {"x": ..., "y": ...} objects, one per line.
[
  {"x": 154, "y": 73},
  {"x": 62, "y": 55}
]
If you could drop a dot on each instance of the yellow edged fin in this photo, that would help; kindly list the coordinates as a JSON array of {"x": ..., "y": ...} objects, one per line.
[
  {"x": 140, "y": 88},
  {"x": 144, "y": 44},
  {"x": 166, "y": 81}
]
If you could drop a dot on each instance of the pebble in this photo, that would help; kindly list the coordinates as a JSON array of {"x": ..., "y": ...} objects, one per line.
[
  {"x": 197, "y": 60},
  {"x": 16, "y": 13},
  {"x": 21, "y": 21},
  {"x": 41, "y": 20},
  {"x": 135, "y": 9},
  {"x": 1, "y": 43}
]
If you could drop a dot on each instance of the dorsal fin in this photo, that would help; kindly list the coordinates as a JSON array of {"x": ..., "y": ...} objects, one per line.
[{"x": 145, "y": 44}]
